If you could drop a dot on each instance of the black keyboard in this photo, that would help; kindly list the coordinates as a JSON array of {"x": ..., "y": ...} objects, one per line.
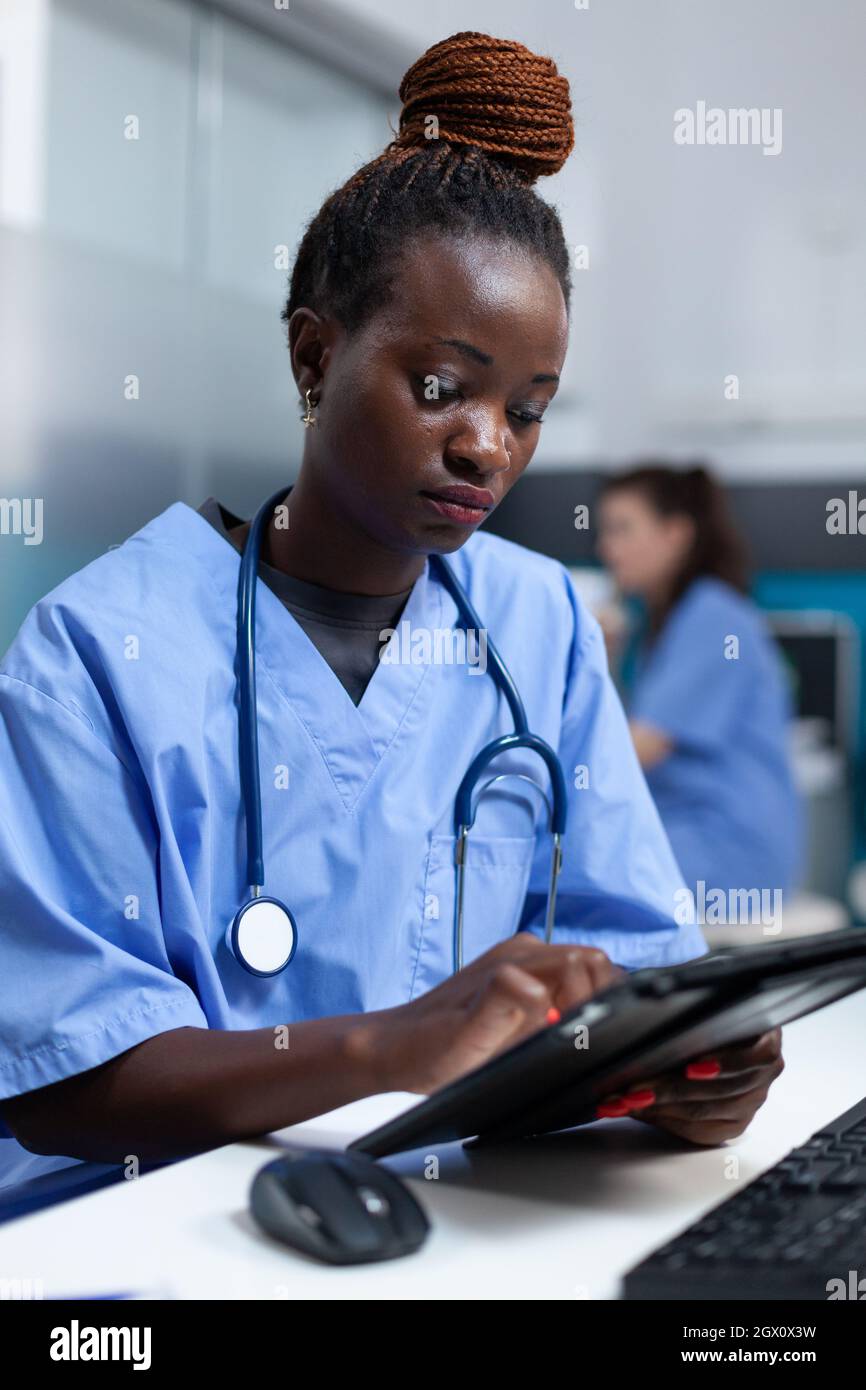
[{"x": 784, "y": 1235}]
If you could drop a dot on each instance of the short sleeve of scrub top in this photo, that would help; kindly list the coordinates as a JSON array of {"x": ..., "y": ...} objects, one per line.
[
  {"x": 691, "y": 683},
  {"x": 83, "y": 951}
]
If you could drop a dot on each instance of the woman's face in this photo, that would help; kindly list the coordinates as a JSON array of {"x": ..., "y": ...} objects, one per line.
[
  {"x": 643, "y": 550},
  {"x": 444, "y": 387}
]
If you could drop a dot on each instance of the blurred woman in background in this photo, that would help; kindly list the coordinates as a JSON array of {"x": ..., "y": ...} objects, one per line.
[{"x": 708, "y": 700}]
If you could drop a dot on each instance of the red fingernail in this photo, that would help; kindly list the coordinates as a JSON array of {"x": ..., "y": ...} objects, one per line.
[
  {"x": 703, "y": 1071},
  {"x": 611, "y": 1110},
  {"x": 639, "y": 1100},
  {"x": 553, "y": 1014}
]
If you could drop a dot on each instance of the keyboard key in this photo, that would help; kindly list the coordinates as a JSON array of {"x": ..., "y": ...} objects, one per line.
[
  {"x": 675, "y": 1262},
  {"x": 824, "y": 1168},
  {"x": 840, "y": 1155},
  {"x": 797, "y": 1251},
  {"x": 805, "y": 1181},
  {"x": 809, "y": 1149},
  {"x": 847, "y": 1179},
  {"x": 846, "y": 1146}
]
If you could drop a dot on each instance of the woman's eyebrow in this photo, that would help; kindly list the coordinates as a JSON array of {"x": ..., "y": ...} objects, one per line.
[{"x": 469, "y": 350}]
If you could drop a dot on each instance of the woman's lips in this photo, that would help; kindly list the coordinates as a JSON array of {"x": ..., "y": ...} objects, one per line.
[{"x": 463, "y": 511}]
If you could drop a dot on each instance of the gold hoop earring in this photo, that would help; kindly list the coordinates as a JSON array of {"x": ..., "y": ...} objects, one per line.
[{"x": 309, "y": 418}]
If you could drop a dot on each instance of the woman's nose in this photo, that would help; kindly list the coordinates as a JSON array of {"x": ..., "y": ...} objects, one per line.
[{"x": 483, "y": 444}]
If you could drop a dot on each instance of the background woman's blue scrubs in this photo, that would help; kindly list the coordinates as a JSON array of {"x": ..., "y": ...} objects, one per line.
[{"x": 714, "y": 683}]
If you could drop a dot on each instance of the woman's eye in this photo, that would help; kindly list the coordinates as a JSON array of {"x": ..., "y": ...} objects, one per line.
[{"x": 433, "y": 388}]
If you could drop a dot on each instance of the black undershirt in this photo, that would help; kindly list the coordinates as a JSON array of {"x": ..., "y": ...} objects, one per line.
[{"x": 344, "y": 627}]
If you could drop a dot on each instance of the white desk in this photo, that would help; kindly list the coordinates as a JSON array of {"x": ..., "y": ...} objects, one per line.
[{"x": 560, "y": 1217}]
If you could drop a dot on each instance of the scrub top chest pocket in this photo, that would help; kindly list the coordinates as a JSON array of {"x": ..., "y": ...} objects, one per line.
[{"x": 496, "y": 880}]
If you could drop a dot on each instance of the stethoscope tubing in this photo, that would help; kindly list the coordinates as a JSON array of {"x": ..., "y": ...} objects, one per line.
[{"x": 464, "y": 810}]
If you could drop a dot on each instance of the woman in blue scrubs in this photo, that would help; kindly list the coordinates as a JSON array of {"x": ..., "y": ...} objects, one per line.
[
  {"x": 709, "y": 705},
  {"x": 427, "y": 324}
]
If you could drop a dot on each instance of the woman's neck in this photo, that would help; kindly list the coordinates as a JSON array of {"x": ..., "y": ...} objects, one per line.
[
  {"x": 658, "y": 601},
  {"x": 322, "y": 546}
]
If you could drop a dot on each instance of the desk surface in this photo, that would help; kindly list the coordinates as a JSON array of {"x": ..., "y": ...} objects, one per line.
[{"x": 559, "y": 1217}]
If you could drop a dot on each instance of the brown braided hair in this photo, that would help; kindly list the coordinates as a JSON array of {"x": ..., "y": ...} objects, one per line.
[{"x": 504, "y": 119}]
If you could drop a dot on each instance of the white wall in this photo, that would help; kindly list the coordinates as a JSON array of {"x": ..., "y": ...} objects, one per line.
[
  {"x": 704, "y": 260},
  {"x": 159, "y": 256},
  {"x": 23, "y": 78},
  {"x": 152, "y": 257}
]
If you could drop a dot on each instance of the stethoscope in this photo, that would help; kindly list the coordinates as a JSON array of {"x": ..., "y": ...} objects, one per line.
[{"x": 263, "y": 934}]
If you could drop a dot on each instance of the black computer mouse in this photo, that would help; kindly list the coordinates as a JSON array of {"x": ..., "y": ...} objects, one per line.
[{"x": 340, "y": 1207}]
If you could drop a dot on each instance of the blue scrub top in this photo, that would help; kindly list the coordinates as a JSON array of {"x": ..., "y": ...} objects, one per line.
[
  {"x": 714, "y": 682},
  {"x": 122, "y": 839}
]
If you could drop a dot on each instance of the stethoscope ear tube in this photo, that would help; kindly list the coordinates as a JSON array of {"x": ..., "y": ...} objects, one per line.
[
  {"x": 262, "y": 936},
  {"x": 247, "y": 713},
  {"x": 464, "y": 819},
  {"x": 464, "y": 812},
  {"x": 470, "y": 619}
]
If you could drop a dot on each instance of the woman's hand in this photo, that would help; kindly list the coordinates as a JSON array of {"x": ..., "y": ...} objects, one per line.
[
  {"x": 710, "y": 1100},
  {"x": 492, "y": 1003}
]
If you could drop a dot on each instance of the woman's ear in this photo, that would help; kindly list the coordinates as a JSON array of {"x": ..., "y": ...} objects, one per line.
[{"x": 310, "y": 349}]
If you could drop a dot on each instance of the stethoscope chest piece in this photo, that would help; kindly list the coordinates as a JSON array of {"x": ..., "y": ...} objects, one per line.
[{"x": 262, "y": 936}]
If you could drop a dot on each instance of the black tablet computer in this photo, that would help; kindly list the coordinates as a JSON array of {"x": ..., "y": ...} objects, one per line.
[{"x": 636, "y": 1029}]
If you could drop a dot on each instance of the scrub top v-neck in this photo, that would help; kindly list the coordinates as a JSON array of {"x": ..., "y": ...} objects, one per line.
[{"x": 346, "y": 628}]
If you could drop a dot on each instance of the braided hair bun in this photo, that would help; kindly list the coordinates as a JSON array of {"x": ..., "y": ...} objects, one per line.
[
  {"x": 482, "y": 119},
  {"x": 494, "y": 94}
]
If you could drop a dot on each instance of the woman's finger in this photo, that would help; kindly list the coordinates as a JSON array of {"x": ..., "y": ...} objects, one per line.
[
  {"x": 751, "y": 1052},
  {"x": 679, "y": 1089},
  {"x": 572, "y": 974},
  {"x": 726, "y": 1071},
  {"x": 735, "y": 1072},
  {"x": 716, "y": 1111}
]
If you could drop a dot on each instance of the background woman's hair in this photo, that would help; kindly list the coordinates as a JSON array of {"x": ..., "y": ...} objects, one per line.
[
  {"x": 718, "y": 549},
  {"x": 502, "y": 118}
]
